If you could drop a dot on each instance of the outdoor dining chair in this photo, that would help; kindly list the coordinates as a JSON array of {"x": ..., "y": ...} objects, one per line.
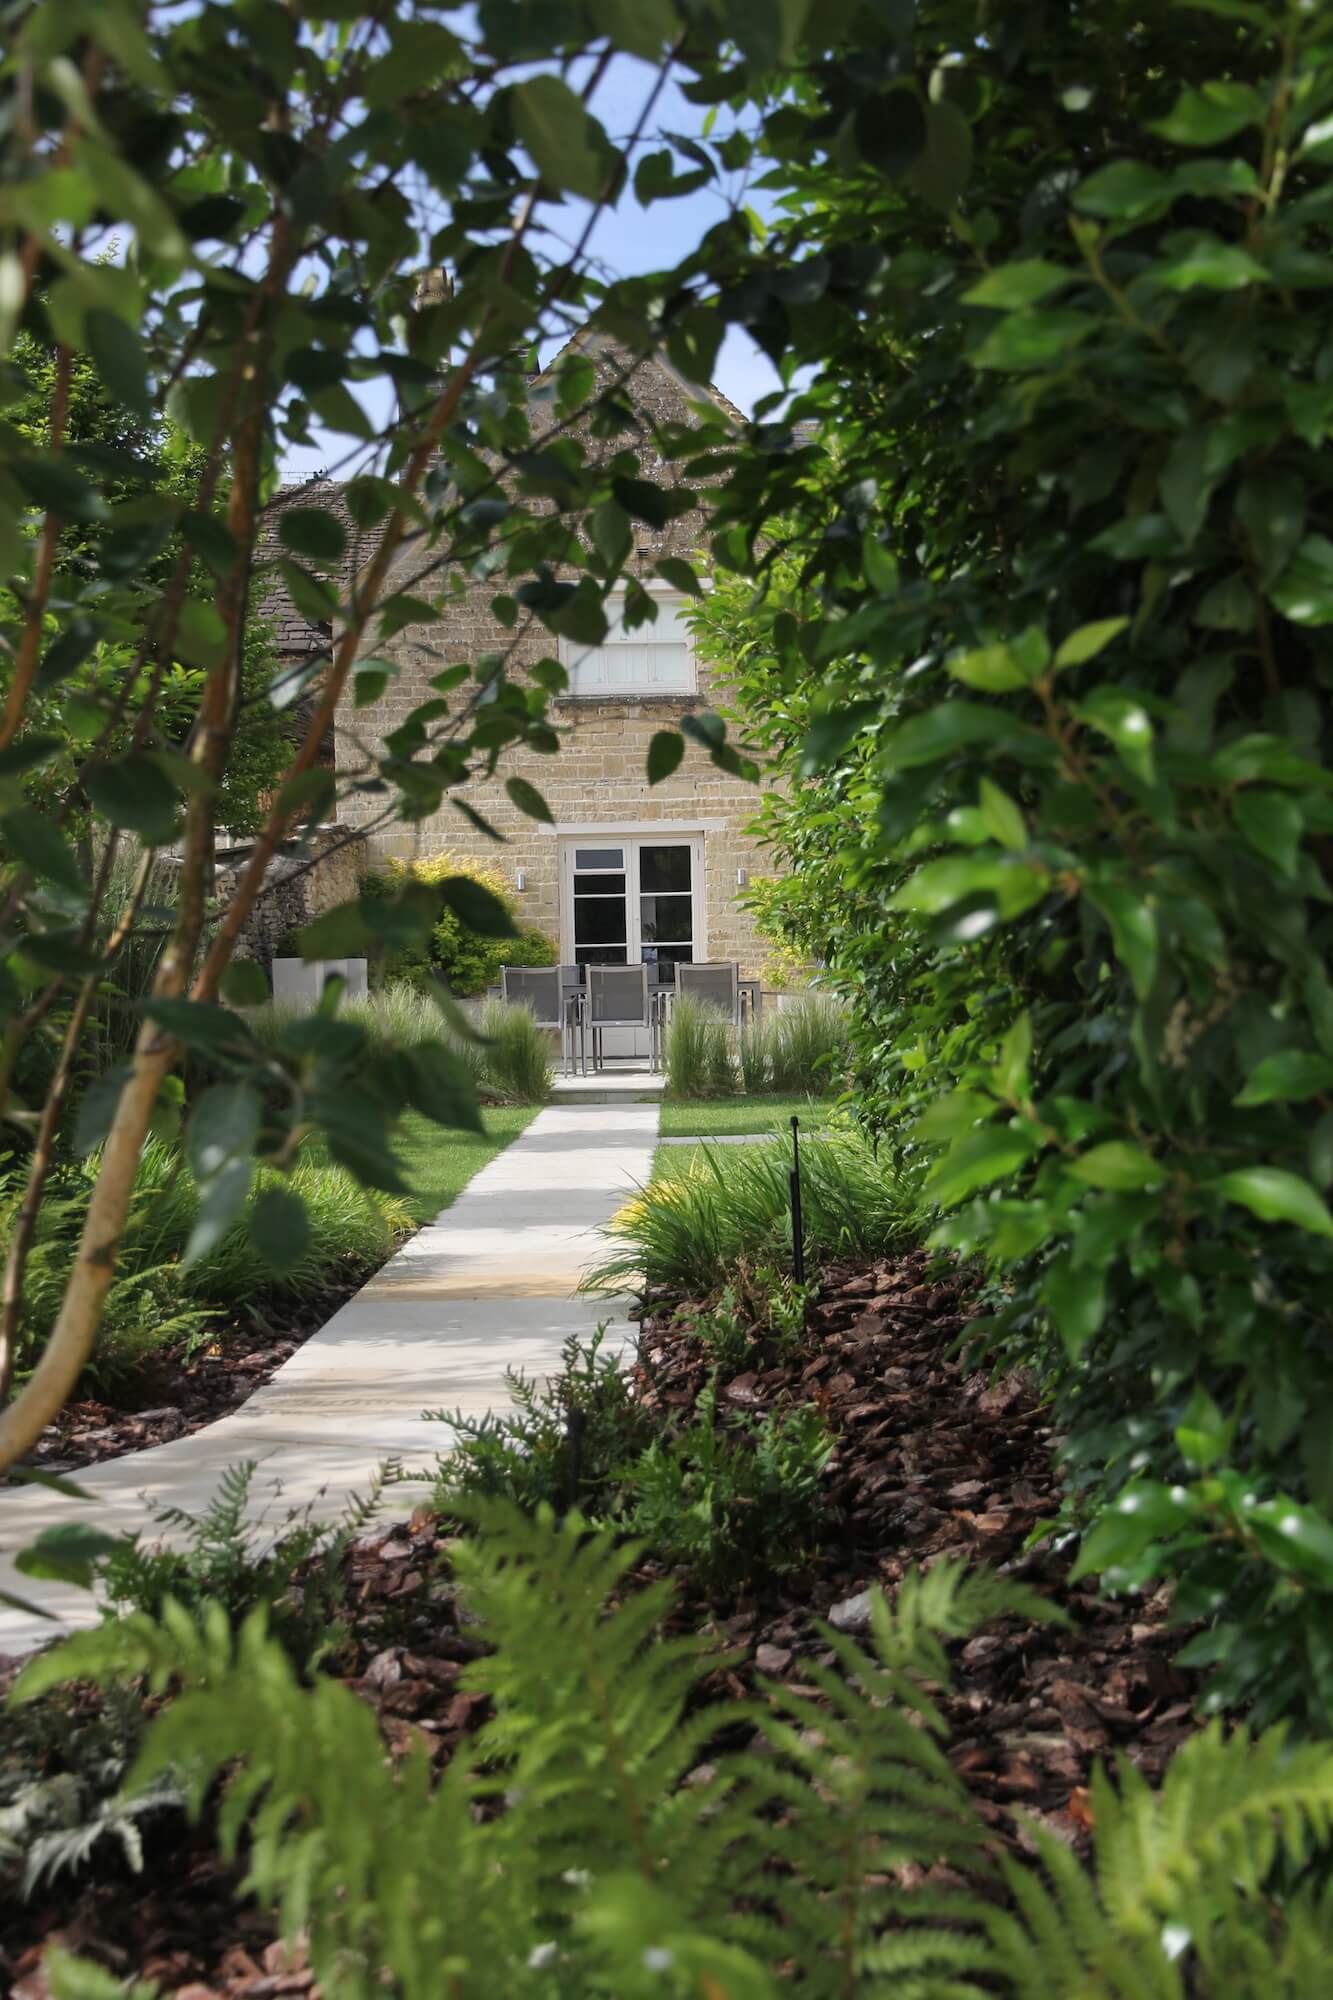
[
  {"x": 555, "y": 1001},
  {"x": 714, "y": 983},
  {"x": 617, "y": 998}
]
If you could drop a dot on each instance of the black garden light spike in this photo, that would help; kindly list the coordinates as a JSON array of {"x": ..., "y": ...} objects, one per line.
[{"x": 794, "y": 1182}]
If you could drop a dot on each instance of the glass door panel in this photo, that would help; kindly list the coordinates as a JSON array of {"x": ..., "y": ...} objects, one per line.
[
  {"x": 666, "y": 904},
  {"x": 600, "y": 906}
]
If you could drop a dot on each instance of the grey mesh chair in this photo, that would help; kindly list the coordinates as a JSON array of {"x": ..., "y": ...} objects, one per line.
[
  {"x": 544, "y": 990},
  {"x": 713, "y": 983},
  {"x": 617, "y": 998}
]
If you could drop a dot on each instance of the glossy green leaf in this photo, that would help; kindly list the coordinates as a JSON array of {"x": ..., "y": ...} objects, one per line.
[
  {"x": 135, "y": 792},
  {"x": 1210, "y": 114},
  {"x": 829, "y": 735},
  {"x": 222, "y": 1199},
  {"x": 68, "y": 1552},
  {"x": 201, "y": 1024},
  {"x": 640, "y": 27},
  {"x": 558, "y": 133},
  {"x": 940, "y": 731},
  {"x": 342, "y": 932},
  {"x": 1011, "y": 1073},
  {"x": 313, "y": 532},
  {"x": 1123, "y": 191},
  {"x": 1209, "y": 264},
  {"x": 1002, "y": 818},
  {"x": 1270, "y": 507},
  {"x": 1075, "y": 1296},
  {"x": 1147, "y": 1511},
  {"x": 1287, "y": 1076},
  {"x": 1023, "y": 283},
  {"x": 1203, "y": 1433},
  {"x": 1277, "y": 1196},
  {"x": 280, "y": 1228},
  {"x": 992, "y": 669},
  {"x": 1119, "y": 1165},
  {"x": 680, "y": 574},
  {"x": 1304, "y": 591},
  {"x": 1033, "y": 339},
  {"x": 245, "y": 983},
  {"x": 476, "y": 908},
  {"x": 32, "y": 838},
  {"x": 1294, "y": 1537},
  {"x": 1088, "y": 641},
  {"x": 1123, "y": 718},
  {"x": 665, "y": 752},
  {"x": 943, "y": 165},
  {"x": 1133, "y": 932},
  {"x": 1186, "y": 483},
  {"x": 224, "y": 1122},
  {"x": 119, "y": 359},
  {"x": 980, "y": 1159},
  {"x": 529, "y": 800},
  {"x": 68, "y": 651},
  {"x": 201, "y": 636}
]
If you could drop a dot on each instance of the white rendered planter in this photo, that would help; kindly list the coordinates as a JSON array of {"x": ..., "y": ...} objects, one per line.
[{"x": 298, "y": 984}]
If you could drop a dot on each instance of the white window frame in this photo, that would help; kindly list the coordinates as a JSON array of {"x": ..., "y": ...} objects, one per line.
[
  {"x": 665, "y": 836},
  {"x": 595, "y": 674}
]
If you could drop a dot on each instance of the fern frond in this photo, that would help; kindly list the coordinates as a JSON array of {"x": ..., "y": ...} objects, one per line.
[
  {"x": 589, "y": 1699},
  {"x": 1175, "y": 1870},
  {"x": 861, "y": 1784},
  {"x": 70, "y": 1978},
  {"x": 133, "y": 1648}
]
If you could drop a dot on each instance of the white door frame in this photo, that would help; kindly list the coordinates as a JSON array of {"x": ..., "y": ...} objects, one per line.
[
  {"x": 632, "y": 845},
  {"x": 633, "y": 1043}
]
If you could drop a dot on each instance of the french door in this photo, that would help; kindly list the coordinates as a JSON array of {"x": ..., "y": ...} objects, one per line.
[{"x": 633, "y": 898}]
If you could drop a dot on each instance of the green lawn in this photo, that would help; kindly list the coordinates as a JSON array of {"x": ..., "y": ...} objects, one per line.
[
  {"x": 742, "y": 1114},
  {"x": 674, "y": 1162},
  {"x": 438, "y": 1164}
]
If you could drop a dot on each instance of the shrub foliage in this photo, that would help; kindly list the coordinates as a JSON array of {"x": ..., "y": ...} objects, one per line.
[{"x": 1042, "y": 627}]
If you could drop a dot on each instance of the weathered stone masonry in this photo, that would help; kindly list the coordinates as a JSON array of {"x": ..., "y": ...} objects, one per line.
[{"x": 599, "y": 776}]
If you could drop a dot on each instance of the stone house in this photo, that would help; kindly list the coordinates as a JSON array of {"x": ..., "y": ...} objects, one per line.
[{"x": 626, "y": 871}]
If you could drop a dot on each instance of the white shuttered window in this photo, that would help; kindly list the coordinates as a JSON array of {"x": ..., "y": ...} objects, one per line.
[{"x": 652, "y": 659}]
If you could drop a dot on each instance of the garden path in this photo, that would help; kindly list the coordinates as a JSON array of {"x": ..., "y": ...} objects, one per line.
[{"x": 486, "y": 1287}]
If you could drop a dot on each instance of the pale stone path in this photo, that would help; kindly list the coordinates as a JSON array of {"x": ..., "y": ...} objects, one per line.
[{"x": 488, "y": 1286}]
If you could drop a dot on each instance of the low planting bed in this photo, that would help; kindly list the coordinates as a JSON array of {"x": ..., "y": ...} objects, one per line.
[
  {"x": 242, "y": 1322},
  {"x": 899, "y": 1453}
]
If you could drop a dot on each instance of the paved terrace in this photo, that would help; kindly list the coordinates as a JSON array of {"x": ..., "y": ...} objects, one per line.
[{"x": 487, "y": 1287}]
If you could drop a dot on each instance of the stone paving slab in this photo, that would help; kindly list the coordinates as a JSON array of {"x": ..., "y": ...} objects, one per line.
[{"x": 484, "y": 1289}]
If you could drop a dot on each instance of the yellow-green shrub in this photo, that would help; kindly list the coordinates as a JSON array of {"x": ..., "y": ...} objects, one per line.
[{"x": 469, "y": 962}]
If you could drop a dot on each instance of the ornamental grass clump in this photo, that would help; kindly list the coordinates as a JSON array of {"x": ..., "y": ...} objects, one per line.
[
  {"x": 156, "y": 1298},
  {"x": 731, "y": 1205},
  {"x": 697, "y": 1058},
  {"x": 809, "y": 1045},
  {"x": 515, "y": 1054}
]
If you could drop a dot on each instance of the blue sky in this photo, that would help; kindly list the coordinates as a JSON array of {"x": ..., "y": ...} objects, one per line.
[{"x": 626, "y": 241}]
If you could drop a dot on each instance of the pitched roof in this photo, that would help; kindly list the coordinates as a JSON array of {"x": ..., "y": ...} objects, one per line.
[{"x": 294, "y": 634}]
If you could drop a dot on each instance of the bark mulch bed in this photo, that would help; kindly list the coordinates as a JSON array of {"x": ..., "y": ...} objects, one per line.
[
  {"x": 935, "y": 1459},
  {"x": 932, "y": 1459}
]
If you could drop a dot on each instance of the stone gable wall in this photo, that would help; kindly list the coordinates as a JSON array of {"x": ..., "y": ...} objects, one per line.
[{"x": 599, "y": 775}]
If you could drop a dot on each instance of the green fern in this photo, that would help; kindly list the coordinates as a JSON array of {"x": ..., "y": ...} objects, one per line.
[
  {"x": 862, "y": 1786},
  {"x": 1178, "y": 1907},
  {"x": 600, "y": 1835}
]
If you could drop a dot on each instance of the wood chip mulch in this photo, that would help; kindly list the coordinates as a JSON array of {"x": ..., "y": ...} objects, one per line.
[{"x": 933, "y": 1459}]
